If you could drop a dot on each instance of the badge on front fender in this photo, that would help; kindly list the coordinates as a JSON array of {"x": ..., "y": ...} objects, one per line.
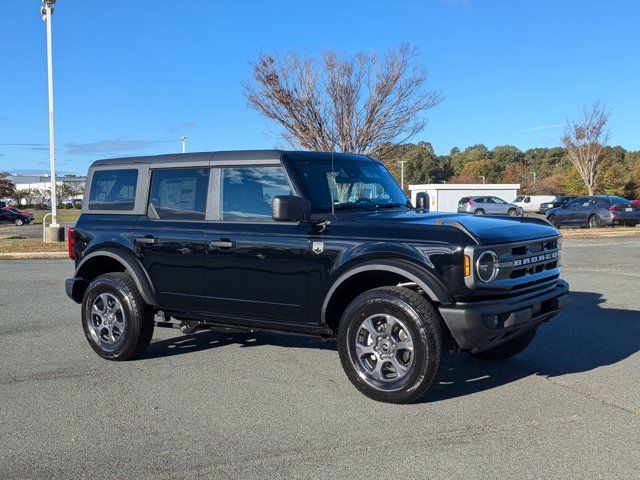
[{"x": 317, "y": 247}]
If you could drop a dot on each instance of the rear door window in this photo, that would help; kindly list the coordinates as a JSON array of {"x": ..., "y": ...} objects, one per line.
[
  {"x": 113, "y": 190},
  {"x": 179, "y": 193}
]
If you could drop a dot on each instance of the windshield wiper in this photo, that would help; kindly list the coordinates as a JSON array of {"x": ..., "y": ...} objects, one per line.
[
  {"x": 342, "y": 206},
  {"x": 389, "y": 205}
]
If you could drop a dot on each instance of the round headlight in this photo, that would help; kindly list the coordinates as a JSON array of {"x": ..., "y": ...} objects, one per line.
[{"x": 487, "y": 266}]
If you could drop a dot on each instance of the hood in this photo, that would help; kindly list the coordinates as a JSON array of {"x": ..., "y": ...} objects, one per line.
[{"x": 486, "y": 229}]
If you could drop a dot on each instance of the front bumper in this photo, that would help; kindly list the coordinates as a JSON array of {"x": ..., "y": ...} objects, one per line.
[{"x": 478, "y": 326}]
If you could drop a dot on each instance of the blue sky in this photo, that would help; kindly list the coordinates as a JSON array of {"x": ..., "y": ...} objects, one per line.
[{"x": 132, "y": 76}]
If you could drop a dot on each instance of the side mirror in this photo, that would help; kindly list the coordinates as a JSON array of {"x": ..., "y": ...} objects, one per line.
[
  {"x": 289, "y": 208},
  {"x": 422, "y": 201}
]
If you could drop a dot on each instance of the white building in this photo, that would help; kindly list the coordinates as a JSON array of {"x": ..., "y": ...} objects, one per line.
[
  {"x": 444, "y": 197},
  {"x": 43, "y": 182}
]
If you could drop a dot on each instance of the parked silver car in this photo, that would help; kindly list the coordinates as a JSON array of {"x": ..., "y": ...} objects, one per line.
[{"x": 487, "y": 205}]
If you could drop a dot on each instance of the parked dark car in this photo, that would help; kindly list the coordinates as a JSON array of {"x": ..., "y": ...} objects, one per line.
[
  {"x": 559, "y": 201},
  {"x": 10, "y": 214},
  {"x": 598, "y": 211},
  {"x": 306, "y": 243}
]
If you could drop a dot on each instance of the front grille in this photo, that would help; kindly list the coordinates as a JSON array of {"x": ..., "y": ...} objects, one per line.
[{"x": 521, "y": 265}]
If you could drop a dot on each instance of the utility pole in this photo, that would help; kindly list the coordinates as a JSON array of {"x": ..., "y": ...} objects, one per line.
[
  {"x": 184, "y": 143},
  {"x": 47, "y": 10},
  {"x": 402, "y": 162},
  {"x": 483, "y": 179}
]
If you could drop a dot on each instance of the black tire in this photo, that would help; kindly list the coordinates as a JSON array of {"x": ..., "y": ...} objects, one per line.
[
  {"x": 553, "y": 220},
  {"x": 594, "y": 221},
  {"x": 510, "y": 348},
  {"x": 479, "y": 212},
  {"x": 512, "y": 212},
  {"x": 137, "y": 317},
  {"x": 19, "y": 222},
  {"x": 427, "y": 334}
]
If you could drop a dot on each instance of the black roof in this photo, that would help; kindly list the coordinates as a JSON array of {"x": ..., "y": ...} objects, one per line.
[{"x": 229, "y": 155}]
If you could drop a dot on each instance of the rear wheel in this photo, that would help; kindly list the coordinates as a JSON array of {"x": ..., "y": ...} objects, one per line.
[
  {"x": 392, "y": 344},
  {"x": 553, "y": 220},
  {"x": 479, "y": 212},
  {"x": 594, "y": 221},
  {"x": 508, "y": 349},
  {"x": 116, "y": 321}
]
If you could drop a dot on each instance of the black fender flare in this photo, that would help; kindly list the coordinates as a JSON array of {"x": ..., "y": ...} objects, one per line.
[
  {"x": 132, "y": 266},
  {"x": 427, "y": 281}
]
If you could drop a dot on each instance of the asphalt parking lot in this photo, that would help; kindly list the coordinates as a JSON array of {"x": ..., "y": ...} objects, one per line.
[{"x": 214, "y": 405}]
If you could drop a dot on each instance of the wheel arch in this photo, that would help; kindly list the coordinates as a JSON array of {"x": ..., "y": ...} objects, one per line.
[
  {"x": 376, "y": 273},
  {"x": 112, "y": 259}
]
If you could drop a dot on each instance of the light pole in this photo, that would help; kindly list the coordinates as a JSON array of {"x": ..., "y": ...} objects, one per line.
[
  {"x": 483, "y": 179},
  {"x": 47, "y": 10},
  {"x": 402, "y": 162},
  {"x": 184, "y": 143}
]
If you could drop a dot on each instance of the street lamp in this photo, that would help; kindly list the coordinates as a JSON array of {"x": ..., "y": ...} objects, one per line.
[
  {"x": 402, "y": 162},
  {"x": 184, "y": 143},
  {"x": 47, "y": 10}
]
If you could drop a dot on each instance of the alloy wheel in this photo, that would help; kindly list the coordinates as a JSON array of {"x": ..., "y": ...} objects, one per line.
[
  {"x": 383, "y": 350},
  {"x": 107, "y": 321}
]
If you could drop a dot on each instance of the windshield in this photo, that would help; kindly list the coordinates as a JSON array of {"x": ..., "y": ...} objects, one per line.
[
  {"x": 352, "y": 184},
  {"x": 518, "y": 199}
]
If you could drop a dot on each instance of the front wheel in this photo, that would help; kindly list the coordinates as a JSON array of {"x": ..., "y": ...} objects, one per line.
[
  {"x": 392, "y": 344},
  {"x": 116, "y": 321},
  {"x": 512, "y": 212},
  {"x": 19, "y": 222},
  {"x": 508, "y": 349}
]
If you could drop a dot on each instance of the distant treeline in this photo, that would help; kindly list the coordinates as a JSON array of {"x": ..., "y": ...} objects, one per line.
[{"x": 537, "y": 170}]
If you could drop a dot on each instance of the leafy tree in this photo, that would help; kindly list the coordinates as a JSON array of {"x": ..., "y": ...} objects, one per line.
[
  {"x": 614, "y": 178},
  {"x": 507, "y": 154},
  {"x": 423, "y": 166},
  {"x": 551, "y": 185},
  {"x": 573, "y": 183},
  {"x": 470, "y": 154},
  {"x": 7, "y": 187},
  {"x": 519, "y": 173},
  {"x": 341, "y": 104},
  {"x": 487, "y": 168}
]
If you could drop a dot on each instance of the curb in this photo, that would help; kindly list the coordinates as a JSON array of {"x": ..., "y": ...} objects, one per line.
[
  {"x": 33, "y": 255},
  {"x": 578, "y": 235}
]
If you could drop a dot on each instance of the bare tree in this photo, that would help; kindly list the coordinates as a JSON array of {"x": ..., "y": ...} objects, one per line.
[
  {"x": 342, "y": 104},
  {"x": 585, "y": 139}
]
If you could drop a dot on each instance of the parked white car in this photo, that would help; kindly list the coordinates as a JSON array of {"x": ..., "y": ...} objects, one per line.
[{"x": 531, "y": 203}]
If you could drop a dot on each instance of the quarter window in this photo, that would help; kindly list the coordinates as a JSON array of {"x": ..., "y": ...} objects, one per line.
[
  {"x": 113, "y": 190},
  {"x": 247, "y": 192},
  {"x": 179, "y": 193}
]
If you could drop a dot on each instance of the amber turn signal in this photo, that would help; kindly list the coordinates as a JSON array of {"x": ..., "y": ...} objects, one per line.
[{"x": 467, "y": 266}]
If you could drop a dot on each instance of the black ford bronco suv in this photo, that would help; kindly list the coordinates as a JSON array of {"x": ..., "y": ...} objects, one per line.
[{"x": 307, "y": 243}]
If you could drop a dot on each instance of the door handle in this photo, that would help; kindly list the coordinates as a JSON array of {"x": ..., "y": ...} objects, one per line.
[
  {"x": 222, "y": 244},
  {"x": 146, "y": 240}
]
